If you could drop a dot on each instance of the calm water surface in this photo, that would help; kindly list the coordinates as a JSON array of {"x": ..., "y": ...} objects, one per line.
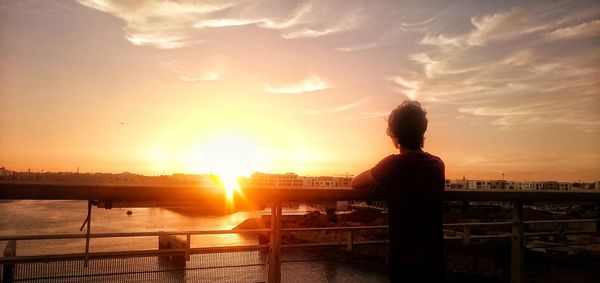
[
  {"x": 25, "y": 217},
  {"x": 66, "y": 217}
]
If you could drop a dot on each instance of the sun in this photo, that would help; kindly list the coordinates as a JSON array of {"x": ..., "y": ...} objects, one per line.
[{"x": 229, "y": 156}]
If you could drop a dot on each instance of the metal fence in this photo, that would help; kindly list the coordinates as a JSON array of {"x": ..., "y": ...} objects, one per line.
[{"x": 178, "y": 262}]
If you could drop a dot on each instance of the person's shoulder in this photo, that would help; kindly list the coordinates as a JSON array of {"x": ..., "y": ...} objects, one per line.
[
  {"x": 393, "y": 157},
  {"x": 390, "y": 159},
  {"x": 435, "y": 158}
]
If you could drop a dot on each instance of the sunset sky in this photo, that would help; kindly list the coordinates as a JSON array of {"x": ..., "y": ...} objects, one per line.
[{"x": 161, "y": 87}]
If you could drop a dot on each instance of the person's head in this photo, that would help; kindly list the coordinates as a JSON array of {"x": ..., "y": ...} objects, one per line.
[{"x": 407, "y": 125}]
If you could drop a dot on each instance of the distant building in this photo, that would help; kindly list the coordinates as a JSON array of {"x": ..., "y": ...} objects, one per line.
[
  {"x": 528, "y": 186},
  {"x": 326, "y": 182},
  {"x": 512, "y": 185},
  {"x": 458, "y": 184},
  {"x": 293, "y": 180},
  {"x": 4, "y": 172},
  {"x": 498, "y": 184},
  {"x": 565, "y": 186},
  {"x": 274, "y": 180},
  {"x": 478, "y": 185},
  {"x": 549, "y": 186}
]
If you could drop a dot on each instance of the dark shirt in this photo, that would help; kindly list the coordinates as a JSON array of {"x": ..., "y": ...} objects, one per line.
[{"x": 413, "y": 184}]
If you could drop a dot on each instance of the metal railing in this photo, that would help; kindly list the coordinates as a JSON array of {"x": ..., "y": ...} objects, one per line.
[{"x": 140, "y": 196}]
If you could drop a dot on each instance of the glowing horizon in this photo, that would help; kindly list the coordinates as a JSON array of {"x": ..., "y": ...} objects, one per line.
[{"x": 236, "y": 87}]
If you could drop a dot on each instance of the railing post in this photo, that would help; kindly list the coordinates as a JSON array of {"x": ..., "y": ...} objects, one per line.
[
  {"x": 9, "y": 268},
  {"x": 274, "y": 264},
  {"x": 87, "y": 234},
  {"x": 167, "y": 242},
  {"x": 466, "y": 235},
  {"x": 188, "y": 244},
  {"x": 516, "y": 259},
  {"x": 350, "y": 241}
]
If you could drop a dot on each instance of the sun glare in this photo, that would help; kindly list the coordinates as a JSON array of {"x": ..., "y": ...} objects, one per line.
[{"x": 229, "y": 156}]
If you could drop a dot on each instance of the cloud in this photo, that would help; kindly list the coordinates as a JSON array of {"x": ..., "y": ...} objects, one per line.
[
  {"x": 336, "y": 109},
  {"x": 299, "y": 16},
  {"x": 509, "y": 161},
  {"x": 310, "y": 33},
  {"x": 511, "y": 69},
  {"x": 346, "y": 23},
  {"x": 492, "y": 28},
  {"x": 502, "y": 26},
  {"x": 421, "y": 23},
  {"x": 173, "y": 24},
  {"x": 410, "y": 88},
  {"x": 219, "y": 23},
  {"x": 358, "y": 47},
  {"x": 441, "y": 40},
  {"x": 160, "y": 24},
  {"x": 587, "y": 29},
  {"x": 187, "y": 74},
  {"x": 308, "y": 85}
]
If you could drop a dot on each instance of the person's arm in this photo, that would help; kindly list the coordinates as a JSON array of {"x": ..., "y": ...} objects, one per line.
[
  {"x": 363, "y": 180},
  {"x": 375, "y": 178}
]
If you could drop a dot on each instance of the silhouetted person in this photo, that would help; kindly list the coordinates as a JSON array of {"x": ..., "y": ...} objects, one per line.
[{"x": 413, "y": 183}]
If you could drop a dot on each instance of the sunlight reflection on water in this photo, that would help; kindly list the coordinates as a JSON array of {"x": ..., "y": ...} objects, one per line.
[{"x": 66, "y": 217}]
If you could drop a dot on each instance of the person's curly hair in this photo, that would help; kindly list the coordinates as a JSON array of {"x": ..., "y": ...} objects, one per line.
[{"x": 407, "y": 124}]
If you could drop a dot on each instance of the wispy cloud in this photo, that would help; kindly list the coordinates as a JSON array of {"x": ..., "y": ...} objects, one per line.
[
  {"x": 422, "y": 22},
  {"x": 219, "y": 23},
  {"x": 511, "y": 69},
  {"x": 502, "y": 26},
  {"x": 358, "y": 47},
  {"x": 308, "y": 85},
  {"x": 336, "y": 109},
  {"x": 298, "y": 16},
  {"x": 187, "y": 74},
  {"x": 347, "y": 23},
  {"x": 587, "y": 29},
  {"x": 161, "y": 24},
  {"x": 172, "y": 24},
  {"x": 410, "y": 88},
  {"x": 310, "y": 33}
]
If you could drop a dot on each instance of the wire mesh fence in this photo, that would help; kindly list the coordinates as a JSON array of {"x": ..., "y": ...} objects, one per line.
[{"x": 247, "y": 266}]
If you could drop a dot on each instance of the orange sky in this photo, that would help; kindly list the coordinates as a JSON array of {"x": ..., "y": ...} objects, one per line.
[{"x": 304, "y": 86}]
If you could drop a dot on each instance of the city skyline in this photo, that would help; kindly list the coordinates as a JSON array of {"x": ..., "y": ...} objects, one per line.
[
  {"x": 236, "y": 87},
  {"x": 17, "y": 176}
]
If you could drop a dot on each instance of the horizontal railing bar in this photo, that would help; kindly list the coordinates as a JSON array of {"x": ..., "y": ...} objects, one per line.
[
  {"x": 331, "y": 244},
  {"x": 499, "y": 236},
  {"x": 563, "y": 221},
  {"x": 536, "y": 234},
  {"x": 42, "y": 237},
  {"x": 247, "y": 248},
  {"x": 93, "y": 255},
  {"x": 250, "y": 231},
  {"x": 135, "y": 253},
  {"x": 140, "y": 272},
  {"x": 507, "y": 235},
  {"x": 524, "y": 222},
  {"x": 73, "y": 276},
  {"x": 557, "y": 245},
  {"x": 131, "y": 234},
  {"x": 208, "y": 195},
  {"x": 469, "y": 224},
  {"x": 334, "y": 228}
]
